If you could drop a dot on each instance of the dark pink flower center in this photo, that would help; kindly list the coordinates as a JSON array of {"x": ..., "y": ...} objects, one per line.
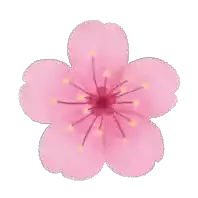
[{"x": 102, "y": 102}]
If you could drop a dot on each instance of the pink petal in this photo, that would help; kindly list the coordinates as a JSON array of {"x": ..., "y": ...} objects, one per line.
[
  {"x": 108, "y": 41},
  {"x": 162, "y": 82},
  {"x": 59, "y": 151},
  {"x": 156, "y": 72},
  {"x": 137, "y": 155},
  {"x": 44, "y": 84}
]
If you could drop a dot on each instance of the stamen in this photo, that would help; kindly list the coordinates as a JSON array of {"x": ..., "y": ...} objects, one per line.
[
  {"x": 123, "y": 90},
  {"x": 114, "y": 94},
  {"x": 94, "y": 73},
  {"x": 77, "y": 87},
  {"x": 125, "y": 140},
  {"x": 134, "y": 112},
  {"x": 131, "y": 122},
  {"x": 92, "y": 52},
  {"x": 65, "y": 80},
  {"x": 69, "y": 127},
  {"x": 53, "y": 100},
  {"x": 101, "y": 121},
  {"x": 129, "y": 92},
  {"x": 80, "y": 120},
  {"x": 89, "y": 129},
  {"x": 136, "y": 102},
  {"x": 81, "y": 97},
  {"x": 105, "y": 83},
  {"x": 117, "y": 86},
  {"x": 91, "y": 108},
  {"x": 121, "y": 115},
  {"x": 72, "y": 103},
  {"x": 106, "y": 74},
  {"x": 80, "y": 149},
  {"x": 99, "y": 130},
  {"x": 145, "y": 85},
  {"x": 124, "y": 102},
  {"x": 92, "y": 97},
  {"x": 85, "y": 110},
  {"x": 119, "y": 126}
]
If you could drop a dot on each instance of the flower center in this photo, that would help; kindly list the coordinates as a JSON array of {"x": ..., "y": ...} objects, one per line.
[{"x": 102, "y": 102}]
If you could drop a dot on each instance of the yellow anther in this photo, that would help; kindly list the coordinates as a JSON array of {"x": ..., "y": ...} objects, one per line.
[
  {"x": 123, "y": 89},
  {"x": 65, "y": 80},
  {"x": 69, "y": 127},
  {"x": 85, "y": 110},
  {"x": 106, "y": 74},
  {"x": 145, "y": 85},
  {"x": 125, "y": 140},
  {"x": 92, "y": 52},
  {"x": 99, "y": 133},
  {"x": 132, "y": 123},
  {"x": 80, "y": 148},
  {"x": 53, "y": 100},
  {"x": 136, "y": 102},
  {"x": 81, "y": 97}
]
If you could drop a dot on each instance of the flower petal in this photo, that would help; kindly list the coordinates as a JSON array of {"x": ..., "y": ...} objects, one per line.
[
  {"x": 59, "y": 151},
  {"x": 151, "y": 103},
  {"x": 156, "y": 72},
  {"x": 136, "y": 155},
  {"x": 107, "y": 42},
  {"x": 160, "y": 81},
  {"x": 46, "y": 83}
]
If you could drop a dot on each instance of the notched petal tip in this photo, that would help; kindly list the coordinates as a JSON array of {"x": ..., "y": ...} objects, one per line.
[
  {"x": 149, "y": 66},
  {"x": 63, "y": 152},
  {"x": 107, "y": 40},
  {"x": 136, "y": 158}
]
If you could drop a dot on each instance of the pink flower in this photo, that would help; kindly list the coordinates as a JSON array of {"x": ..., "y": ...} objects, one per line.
[{"x": 100, "y": 110}]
